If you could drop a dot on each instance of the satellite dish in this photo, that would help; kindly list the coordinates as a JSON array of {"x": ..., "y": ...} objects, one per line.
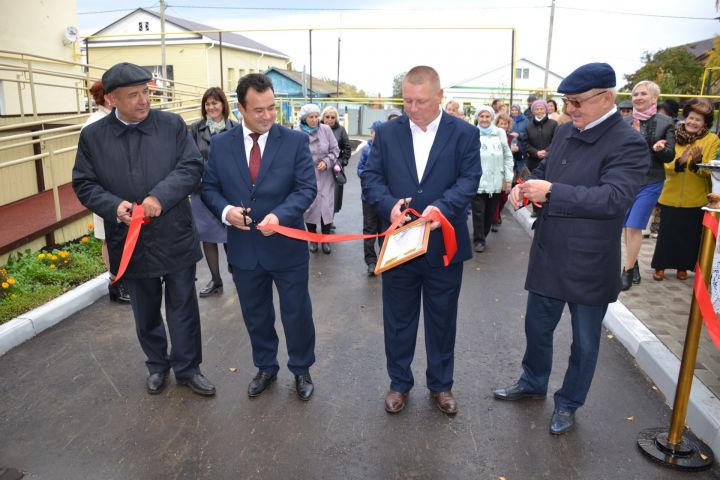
[{"x": 70, "y": 35}]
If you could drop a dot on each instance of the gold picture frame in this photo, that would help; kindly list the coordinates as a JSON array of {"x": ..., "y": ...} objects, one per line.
[{"x": 404, "y": 244}]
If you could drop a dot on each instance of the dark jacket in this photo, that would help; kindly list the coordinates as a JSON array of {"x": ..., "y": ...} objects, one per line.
[
  {"x": 539, "y": 135},
  {"x": 595, "y": 174},
  {"x": 343, "y": 142},
  {"x": 200, "y": 132},
  {"x": 158, "y": 157},
  {"x": 449, "y": 182},
  {"x": 657, "y": 127}
]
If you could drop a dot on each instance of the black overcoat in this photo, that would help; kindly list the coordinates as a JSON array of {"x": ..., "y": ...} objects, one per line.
[
  {"x": 115, "y": 162},
  {"x": 595, "y": 174}
]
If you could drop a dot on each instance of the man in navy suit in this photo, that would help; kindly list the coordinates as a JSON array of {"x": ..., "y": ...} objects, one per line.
[
  {"x": 431, "y": 160},
  {"x": 258, "y": 174},
  {"x": 596, "y": 166}
]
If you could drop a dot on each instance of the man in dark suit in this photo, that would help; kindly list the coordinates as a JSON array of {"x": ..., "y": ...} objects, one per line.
[
  {"x": 432, "y": 160},
  {"x": 585, "y": 186},
  {"x": 144, "y": 156},
  {"x": 261, "y": 173}
]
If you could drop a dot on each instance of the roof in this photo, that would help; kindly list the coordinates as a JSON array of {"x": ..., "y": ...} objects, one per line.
[
  {"x": 700, "y": 48},
  {"x": 318, "y": 86},
  {"x": 233, "y": 39},
  {"x": 503, "y": 67}
]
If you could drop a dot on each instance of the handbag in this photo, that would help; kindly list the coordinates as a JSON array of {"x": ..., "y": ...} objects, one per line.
[{"x": 340, "y": 177}]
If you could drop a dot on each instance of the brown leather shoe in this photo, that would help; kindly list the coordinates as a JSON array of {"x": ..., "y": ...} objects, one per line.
[
  {"x": 446, "y": 402},
  {"x": 659, "y": 274},
  {"x": 395, "y": 401},
  {"x": 682, "y": 274}
]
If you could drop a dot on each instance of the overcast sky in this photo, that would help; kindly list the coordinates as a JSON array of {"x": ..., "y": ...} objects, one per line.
[{"x": 613, "y": 31}]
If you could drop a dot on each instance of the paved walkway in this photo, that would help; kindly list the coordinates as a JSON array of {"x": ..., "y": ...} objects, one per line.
[{"x": 664, "y": 308}]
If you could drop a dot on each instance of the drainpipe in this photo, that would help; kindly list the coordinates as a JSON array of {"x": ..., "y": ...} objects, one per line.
[{"x": 207, "y": 63}]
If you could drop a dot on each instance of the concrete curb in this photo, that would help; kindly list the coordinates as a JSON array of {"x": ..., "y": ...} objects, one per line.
[
  {"x": 26, "y": 326},
  {"x": 656, "y": 360}
]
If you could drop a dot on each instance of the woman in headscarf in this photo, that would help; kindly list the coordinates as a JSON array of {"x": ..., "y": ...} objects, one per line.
[
  {"x": 497, "y": 175},
  {"x": 331, "y": 118},
  {"x": 325, "y": 152},
  {"x": 685, "y": 192},
  {"x": 214, "y": 111},
  {"x": 658, "y": 131},
  {"x": 518, "y": 131},
  {"x": 540, "y": 132}
]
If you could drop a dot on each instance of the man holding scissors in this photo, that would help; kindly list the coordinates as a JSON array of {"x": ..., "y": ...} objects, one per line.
[{"x": 258, "y": 174}]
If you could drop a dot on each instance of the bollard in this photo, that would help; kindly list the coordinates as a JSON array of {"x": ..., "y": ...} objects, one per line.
[{"x": 677, "y": 447}]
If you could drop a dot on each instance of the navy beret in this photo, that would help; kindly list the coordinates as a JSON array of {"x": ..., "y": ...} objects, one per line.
[
  {"x": 587, "y": 77},
  {"x": 124, "y": 75}
]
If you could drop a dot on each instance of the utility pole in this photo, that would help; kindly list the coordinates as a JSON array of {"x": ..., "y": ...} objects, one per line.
[
  {"x": 549, "y": 47},
  {"x": 162, "y": 49},
  {"x": 337, "y": 82}
]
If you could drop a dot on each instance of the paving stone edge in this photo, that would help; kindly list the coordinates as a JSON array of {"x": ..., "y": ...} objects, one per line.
[{"x": 655, "y": 359}]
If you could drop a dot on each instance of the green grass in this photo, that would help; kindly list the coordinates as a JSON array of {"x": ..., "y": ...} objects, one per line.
[{"x": 39, "y": 277}]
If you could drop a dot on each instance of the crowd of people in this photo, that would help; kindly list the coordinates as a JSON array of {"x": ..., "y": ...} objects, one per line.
[{"x": 592, "y": 170}]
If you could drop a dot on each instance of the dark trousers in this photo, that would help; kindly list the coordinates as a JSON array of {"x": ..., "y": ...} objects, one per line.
[
  {"x": 312, "y": 227},
  {"x": 483, "y": 210},
  {"x": 402, "y": 288},
  {"x": 183, "y": 321},
  {"x": 371, "y": 226},
  {"x": 255, "y": 292},
  {"x": 542, "y": 316}
]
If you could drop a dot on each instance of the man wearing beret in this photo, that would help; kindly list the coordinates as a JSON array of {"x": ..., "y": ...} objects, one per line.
[
  {"x": 585, "y": 186},
  {"x": 136, "y": 155}
]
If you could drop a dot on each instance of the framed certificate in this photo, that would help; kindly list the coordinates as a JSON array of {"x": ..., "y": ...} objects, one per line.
[{"x": 405, "y": 243}]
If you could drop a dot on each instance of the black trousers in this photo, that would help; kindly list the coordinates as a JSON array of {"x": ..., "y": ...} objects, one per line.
[
  {"x": 483, "y": 210},
  {"x": 371, "y": 225},
  {"x": 183, "y": 321}
]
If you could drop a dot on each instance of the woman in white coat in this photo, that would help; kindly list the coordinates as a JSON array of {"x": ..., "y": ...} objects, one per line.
[{"x": 497, "y": 174}]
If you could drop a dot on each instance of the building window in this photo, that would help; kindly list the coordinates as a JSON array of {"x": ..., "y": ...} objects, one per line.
[
  {"x": 139, "y": 26},
  {"x": 147, "y": 27},
  {"x": 143, "y": 26},
  {"x": 522, "y": 73}
]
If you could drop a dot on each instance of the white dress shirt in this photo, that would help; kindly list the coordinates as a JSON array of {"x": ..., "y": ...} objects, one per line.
[
  {"x": 248, "y": 141},
  {"x": 422, "y": 143},
  {"x": 600, "y": 120}
]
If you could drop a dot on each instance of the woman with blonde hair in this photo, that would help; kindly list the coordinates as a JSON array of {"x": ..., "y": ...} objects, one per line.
[{"x": 331, "y": 118}]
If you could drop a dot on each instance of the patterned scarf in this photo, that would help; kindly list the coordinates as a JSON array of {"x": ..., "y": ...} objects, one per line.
[
  {"x": 638, "y": 115},
  {"x": 215, "y": 127},
  {"x": 683, "y": 137}
]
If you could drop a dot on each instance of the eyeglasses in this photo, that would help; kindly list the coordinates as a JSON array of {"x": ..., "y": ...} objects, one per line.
[
  {"x": 331, "y": 117},
  {"x": 577, "y": 103}
]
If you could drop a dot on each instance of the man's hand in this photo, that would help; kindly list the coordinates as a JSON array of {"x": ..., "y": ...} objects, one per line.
[
  {"x": 270, "y": 219},
  {"x": 152, "y": 206},
  {"x": 396, "y": 213},
  {"x": 541, "y": 154},
  {"x": 516, "y": 197},
  {"x": 659, "y": 145},
  {"x": 238, "y": 217},
  {"x": 432, "y": 208},
  {"x": 124, "y": 212},
  {"x": 535, "y": 190}
]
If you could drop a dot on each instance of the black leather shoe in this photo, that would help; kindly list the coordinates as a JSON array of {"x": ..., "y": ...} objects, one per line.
[
  {"x": 156, "y": 382},
  {"x": 326, "y": 248},
  {"x": 261, "y": 381},
  {"x": 211, "y": 288},
  {"x": 118, "y": 292},
  {"x": 515, "y": 392},
  {"x": 626, "y": 279},
  {"x": 562, "y": 422},
  {"x": 371, "y": 269},
  {"x": 313, "y": 247},
  {"x": 636, "y": 274},
  {"x": 304, "y": 386},
  {"x": 198, "y": 384}
]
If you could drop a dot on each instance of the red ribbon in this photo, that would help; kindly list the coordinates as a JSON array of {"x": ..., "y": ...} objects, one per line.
[
  {"x": 136, "y": 222},
  {"x": 525, "y": 201},
  {"x": 702, "y": 295},
  {"x": 448, "y": 233}
]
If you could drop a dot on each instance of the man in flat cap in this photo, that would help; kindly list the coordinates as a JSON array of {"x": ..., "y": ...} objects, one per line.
[
  {"x": 585, "y": 185},
  {"x": 136, "y": 155}
]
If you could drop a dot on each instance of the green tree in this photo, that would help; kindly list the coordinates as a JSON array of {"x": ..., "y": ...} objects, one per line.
[
  {"x": 346, "y": 89},
  {"x": 712, "y": 85},
  {"x": 397, "y": 85},
  {"x": 675, "y": 70}
]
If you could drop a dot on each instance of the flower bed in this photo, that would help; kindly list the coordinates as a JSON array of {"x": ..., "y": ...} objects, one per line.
[{"x": 30, "y": 279}]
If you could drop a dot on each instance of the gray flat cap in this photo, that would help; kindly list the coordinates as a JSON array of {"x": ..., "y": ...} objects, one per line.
[
  {"x": 625, "y": 104},
  {"x": 124, "y": 75}
]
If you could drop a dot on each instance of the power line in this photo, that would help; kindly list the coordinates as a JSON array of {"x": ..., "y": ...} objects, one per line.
[{"x": 635, "y": 14}]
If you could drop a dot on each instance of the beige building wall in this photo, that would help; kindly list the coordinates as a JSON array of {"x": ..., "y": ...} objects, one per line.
[
  {"x": 74, "y": 230},
  {"x": 37, "y": 27}
]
